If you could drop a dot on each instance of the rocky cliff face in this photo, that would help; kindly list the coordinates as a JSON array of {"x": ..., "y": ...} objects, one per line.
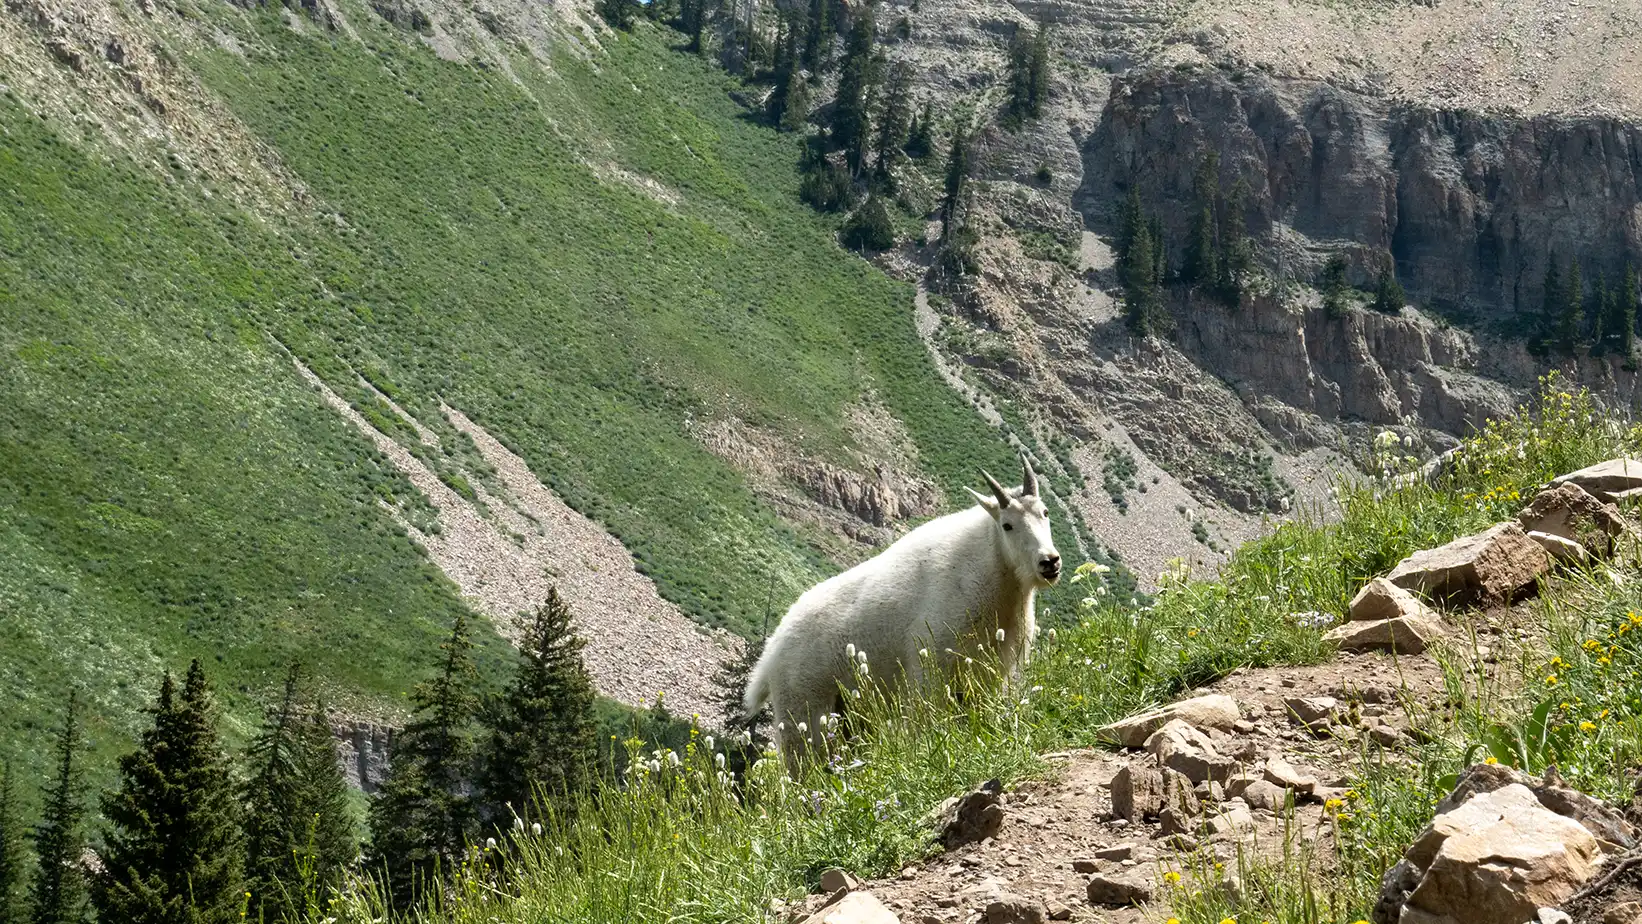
[{"x": 1472, "y": 205}]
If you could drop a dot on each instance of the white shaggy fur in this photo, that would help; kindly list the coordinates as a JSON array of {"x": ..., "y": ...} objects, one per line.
[{"x": 955, "y": 580}]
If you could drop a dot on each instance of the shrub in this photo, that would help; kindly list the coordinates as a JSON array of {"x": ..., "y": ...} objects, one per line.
[{"x": 869, "y": 227}]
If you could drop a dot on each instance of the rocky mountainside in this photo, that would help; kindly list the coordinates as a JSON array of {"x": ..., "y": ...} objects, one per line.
[{"x": 1467, "y": 143}]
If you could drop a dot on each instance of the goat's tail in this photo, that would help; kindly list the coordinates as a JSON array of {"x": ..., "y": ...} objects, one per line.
[{"x": 758, "y": 682}]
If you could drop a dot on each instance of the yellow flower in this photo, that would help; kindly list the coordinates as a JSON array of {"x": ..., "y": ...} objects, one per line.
[
  {"x": 1491, "y": 761},
  {"x": 1171, "y": 877},
  {"x": 1587, "y": 726},
  {"x": 1191, "y": 633},
  {"x": 1550, "y": 680},
  {"x": 1172, "y": 921},
  {"x": 1333, "y": 804},
  {"x": 1228, "y": 921}
]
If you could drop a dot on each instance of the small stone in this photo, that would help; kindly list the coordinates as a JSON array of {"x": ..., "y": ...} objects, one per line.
[
  {"x": 833, "y": 879},
  {"x": 1244, "y": 727},
  {"x": 1118, "y": 852},
  {"x": 1227, "y": 822},
  {"x": 1182, "y": 747},
  {"x": 1216, "y": 710},
  {"x": 1562, "y": 551},
  {"x": 972, "y": 817},
  {"x": 1009, "y": 908},
  {"x": 1403, "y": 635},
  {"x": 1623, "y": 913},
  {"x": 1279, "y": 772},
  {"x": 1059, "y": 911},
  {"x": 1209, "y": 791},
  {"x": 1262, "y": 794},
  {"x": 1380, "y": 599},
  {"x": 854, "y": 908},
  {"x": 1085, "y": 865},
  {"x": 946, "y": 901},
  {"x": 1553, "y": 916},
  {"x": 1181, "y": 843},
  {"x": 1312, "y": 711},
  {"x": 1118, "y": 890},
  {"x": 1385, "y": 736}
]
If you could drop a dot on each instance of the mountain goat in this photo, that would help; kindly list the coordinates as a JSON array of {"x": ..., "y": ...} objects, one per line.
[{"x": 971, "y": 575}]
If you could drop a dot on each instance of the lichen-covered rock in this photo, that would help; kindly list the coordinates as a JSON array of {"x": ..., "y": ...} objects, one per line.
[{"x": 1496, "y": 564}]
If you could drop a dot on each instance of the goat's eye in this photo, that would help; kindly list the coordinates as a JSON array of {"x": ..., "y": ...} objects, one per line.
[{"x": 1008, "y": 526}]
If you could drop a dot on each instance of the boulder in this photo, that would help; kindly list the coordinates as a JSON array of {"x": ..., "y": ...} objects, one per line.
[
  {"x": 1262, "y": 794},
  {"x": 1401, "y": 635},
  {"x": 1227, "y": 822},
  {"x": 1623, "y": 913},
  {"x": 966, "y": 819},
  {"x": 1009, "y": 908},
  {"x": 1570, "y": 511},
  {"x": 1213, "y": 711},
  {"x": 1119, "y": 889},
  {"x": 1562, "y": 551},
  {"x": 854, "y": 908},
  {"x": 1180, "y": 746},
  {"x": 1312, "y": 711},
  {"x": 1380, "y": 599},
  {"x": 1605, "y": 822},
  {"x": 1496, "y": 564},
  {"x": 1142, "y": 791},
  {"x": 1604, "y": 480},
  {"x": 1280, "y": 772}
]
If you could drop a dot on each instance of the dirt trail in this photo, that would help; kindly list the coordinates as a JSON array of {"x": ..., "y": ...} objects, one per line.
[{"x": 1053, "y": 828}]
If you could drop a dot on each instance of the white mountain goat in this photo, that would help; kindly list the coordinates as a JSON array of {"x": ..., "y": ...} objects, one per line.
[{"x": 965, "y": 577}]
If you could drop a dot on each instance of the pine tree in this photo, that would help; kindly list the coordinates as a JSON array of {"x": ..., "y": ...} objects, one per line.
[
  {"x": 957, "y": 180},
  {"x": 1236, "y": 250},
  {"x": 1130, "y": 218},
  {"x": 1388, "y": 293},
  {"x": 618, "y": 14},
  {"x": 1333, "y": 286},
  {"x": 1572, "y": 311},
  {"x": 1554, "y": 294},
  {"x": 1038, "y": 68},
  {"x": 423, "y": 817},
  {"x": 298, "y": 831},
  {"x": 786, "y": 69},
  {"x": 1625, "y": 314},
  {"x": 59, "y": 893},
  {"x": 921, "y": 137},
  {"x": 1202, "y": 266},
  {"x": 851, "y": 118},
  {"x": 1028, "y": 74},
  {"x": 818, "y": 36},
  {"x": 1141, "y": 299},
  {"x": 540, "y": 732},
  {"x": 869, "y": 227},
  {"x": 13, "y": 852},
  {"x": 175, "y": 851},
  {"x": 894, "y": 118},
  {"x": 1601, "y": 308}
]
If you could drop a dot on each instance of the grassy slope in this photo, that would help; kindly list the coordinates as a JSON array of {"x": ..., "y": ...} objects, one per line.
[{"x": 168, "y": 487}]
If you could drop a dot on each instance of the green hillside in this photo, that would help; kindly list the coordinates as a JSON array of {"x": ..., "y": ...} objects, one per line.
[{"x": 170, "y": 487}]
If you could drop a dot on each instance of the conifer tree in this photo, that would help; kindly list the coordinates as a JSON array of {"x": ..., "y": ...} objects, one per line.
[
  {"x": 818, "y": 36},
  {"x": 298, "y": 831},
  {"x": 1141, "y": 301},
  {"x": 539, "y": 734},
  {"x": 1028, "y": 74},
  {"x": 423, "y": 816},
  {"x": 957, "y": 180},
  {"x": 869, "y": 228},
  {"x": 1202, "y": 265},
  {"x": 795, "y": 108},
  {"x": 1554, "y": 293},
  {"x": 921, "y": 137},
  {"x": 1388, "y": 293},
  {"x": 851, "y": 118},
  {"x": 1236, "y": 250},
  {"x": 1625, "y": 314},
  {"x": 13, "y": 852},
  {"x": 175, "y": 851},
  {"x": 59, "y": 892},
  {"x": 1571, "y": 311},
  {"x": 1333, "y": 286},
  {"x": 1600, "y": 310},
  {"x": 894, "y": 118},
  {"x": 1130, "y": 218}
]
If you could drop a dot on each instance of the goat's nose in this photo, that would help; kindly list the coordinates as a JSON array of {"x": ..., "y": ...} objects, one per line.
[{"x": 1050, "y": 563}]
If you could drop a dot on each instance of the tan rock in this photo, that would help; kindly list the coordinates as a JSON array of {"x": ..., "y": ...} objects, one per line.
[
  {"x": 1182, "y": 747},
  {"x": 1227, "y": 822},
  {"x": 1606, "y": 479},
  {"x": 1570, "y": 511},
  {"x": 854, "y": 908},
  {"x": 1215, "y": 710},
  {"x": 1119, "y": 889},
  {"x": 1562, "y": 551},
  {"x": 1312, "y": 711},
  {"x": 1280, "y": 772},
  {"x": 1263, "y": 794},
  {"x": 1009, "y": 908},
  {"x": 1381, "y": 599},
  {"x": 1496, "y": 564},
  {"x": 833, "y": 879},
  {"x": 1499, "y": 857},
  {"x": 974, "y": 816},
  {"x": 1623, "y": 913},
  {"x": 1142, "y": 791},
  {"x": 1402, "y": 635}
]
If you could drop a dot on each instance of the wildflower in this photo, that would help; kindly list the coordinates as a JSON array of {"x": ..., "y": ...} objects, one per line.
[
  {"x": 861, "y": 656},
  {"x": 999, "y": 635},
  {"x": 536, "y": 829},
  {"x": 1550, "y": 680},
  {"x": 923, "y": 652},
  {"x": 518, "y": 823},
  {"x": 1051, "y": 635},
  {"x": 1171, "y": 877},
  {"x": 718, "y": 761},
  {"x": 849, "y": 651},
  {"x": 1191, "y": 633},
  {"x": 1492, "y": 760},
  {"x": 1228, "y": 921},
  {"x": 861, "y": 668},
  {"x": 1587, "y": 726},
  {"x": 803, "y": 728},
  {"x": 1333, "y": 804},
  {"x": 490, "y": 843},
  {"x": 708, "y": 741}
]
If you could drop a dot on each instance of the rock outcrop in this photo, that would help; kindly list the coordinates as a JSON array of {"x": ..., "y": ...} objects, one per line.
[{"x": 1496, "y": 564}]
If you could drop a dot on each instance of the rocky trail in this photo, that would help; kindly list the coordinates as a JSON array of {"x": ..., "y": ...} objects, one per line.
[{"x": 1260, "y": 765}]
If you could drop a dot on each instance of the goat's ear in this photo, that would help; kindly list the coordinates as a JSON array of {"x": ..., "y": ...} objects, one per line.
[{"x": 988, "y": 504}]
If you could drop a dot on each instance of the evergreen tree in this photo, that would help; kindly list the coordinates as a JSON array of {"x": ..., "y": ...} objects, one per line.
[
  {"x": 869, "y": 228},
  {"x": 1600, "y": 310},
  {"x": 894, "y": 118},
  {"x": 1572, "y": 311},
  {"x": 1625, "y": 315},
  {"x": 795, "y": 107},
  {"x": 1333, "y": 286},
  {"x": 1388, "y": 293},
  {"x": 175, "y": 850},
  {"x": 1160, "y": 250},
  {"x": 731, "y": 684},
  {"x": 1236, "y": 250},
  {"x": 1554, "y": 294},
  {"x": 957, "y": 180},
  {"x": 818, "y": 36},
  {"x": 59, "y": 892},
  {"x": 692, "y": 22},
  {"x": 1141, "y": 302},
  {"x": 1038, "y": 68},
  {"x": 618, "y": 14},
  {"x": 540, "y": 731},
  {"x": 1028, "y": 74},
  {"x": 423, "y": 817},
  {"x": 13, "y": 852},
  {"x": 1202, "y": 263},
  {"x": 1130, "y": 218},
  {"x": 851, "y": 116},
  {"x": 921, "y": 137},
  {"x": 298, "y": 832}
]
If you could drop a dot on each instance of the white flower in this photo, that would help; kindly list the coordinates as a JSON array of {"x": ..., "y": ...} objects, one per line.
[
  {"x": 923, "y": 652},
  {"x": 856, "y": 692},
  {"x": 969, "y": 660},
  {"x": 861, "y": 656},
  {"x": 490, "y": 843},
  {"x": 1037, "y": 688},
  {"x": 999, "y": 635},
  {"x": 861, "y": 668},
  {"x": 803, "y": 728},
  {"x": 536, "y": 828},
  {"x": 849, "y": 650},
  {"x": 518, "y": 823},
  {"x": 1051, "y": 634},
  {"x": 672, "y": 758},
  {"x": 708, "y": 741},
  {"x": 718, "y": 761}
]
